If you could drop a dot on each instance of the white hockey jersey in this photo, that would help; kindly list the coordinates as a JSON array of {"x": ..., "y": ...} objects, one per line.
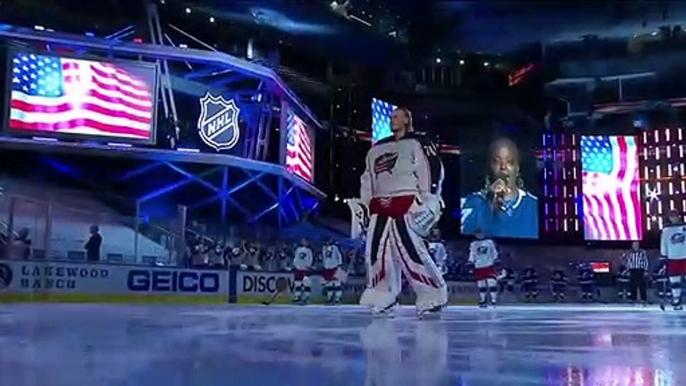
[
  {"x": 409, "y": 166},
  {"x": 483, "y": 253},
  {"x": 331, "y": 256},
  {"x": 673, "y": 242},
  {"x": 303, "y": 259},
  {"x": 439, "y": 255}
]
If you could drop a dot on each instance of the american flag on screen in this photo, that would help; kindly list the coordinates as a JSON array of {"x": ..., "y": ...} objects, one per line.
[
  {"x": 381, "y": 119},
  {"x": 298, "y": 148},
  {"x": 60, "y": 95},
  {"x": 610, "y": 186}
]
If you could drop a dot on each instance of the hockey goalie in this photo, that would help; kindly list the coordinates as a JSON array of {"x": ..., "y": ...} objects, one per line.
[{"x": 399, "y": 205}]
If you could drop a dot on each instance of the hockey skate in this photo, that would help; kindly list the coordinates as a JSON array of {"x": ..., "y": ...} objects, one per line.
[
  {"x": 431, "y": 313},
  {"x": 483, "y": 305},
  {"x": 385, "y": 313}
]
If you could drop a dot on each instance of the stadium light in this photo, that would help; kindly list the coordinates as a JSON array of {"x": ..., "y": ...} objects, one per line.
[
  {"x": 438, "y": 60},
  {"x": 461, "y": 62},
  {"x": 188, "y": 10},
  {"x": 486, "y": 64},
  {"x": 211, "y": 19}
]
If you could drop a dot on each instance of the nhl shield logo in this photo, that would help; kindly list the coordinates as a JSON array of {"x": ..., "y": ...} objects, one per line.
[{"x": 218, "y": 122}]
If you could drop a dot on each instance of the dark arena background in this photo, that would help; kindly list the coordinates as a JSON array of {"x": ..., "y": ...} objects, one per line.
[{"x": 161, "y": 163}]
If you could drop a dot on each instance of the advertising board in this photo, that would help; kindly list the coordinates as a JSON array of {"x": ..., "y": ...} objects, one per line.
[{"x": 29, "y": 280}]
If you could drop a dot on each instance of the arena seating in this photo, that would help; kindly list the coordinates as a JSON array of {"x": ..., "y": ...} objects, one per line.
[{"x": 72, "y": 214}]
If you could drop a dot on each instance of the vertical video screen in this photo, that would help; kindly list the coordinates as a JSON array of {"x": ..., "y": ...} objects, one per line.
[
  {"x": 299, "y": 150},
  {"x": 381, "y": 119},
  {"x": 610, "y": 188}
]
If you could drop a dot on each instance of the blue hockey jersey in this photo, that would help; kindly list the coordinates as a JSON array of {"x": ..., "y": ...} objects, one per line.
[{"x": 517, "y": 218}]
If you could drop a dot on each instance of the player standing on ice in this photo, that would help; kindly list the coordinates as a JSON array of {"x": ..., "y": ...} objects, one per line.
[
  {"x": 483, "y": 254},
  {"x": 558, "y": 281},
  {"x": 332, "y": 260},
  {"x": 673, "y": 246},
  {"x": 438, "y": 252},
  {"x": 586, "y": 279},
  {"x": 530, "y": 284},
  {"x": 400, "y": 191},
  {"x": 302, "y": 267}
]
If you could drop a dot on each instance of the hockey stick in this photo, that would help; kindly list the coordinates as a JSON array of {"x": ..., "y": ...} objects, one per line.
[{"x": 281, "y": 287}]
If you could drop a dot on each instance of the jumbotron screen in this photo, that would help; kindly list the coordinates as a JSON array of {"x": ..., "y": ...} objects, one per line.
[
  {"x": 61, "y": 96},
  {"x": 499, "y": 185}
]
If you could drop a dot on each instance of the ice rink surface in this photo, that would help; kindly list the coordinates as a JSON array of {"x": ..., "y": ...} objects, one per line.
[{"x": 82, "y": 344}]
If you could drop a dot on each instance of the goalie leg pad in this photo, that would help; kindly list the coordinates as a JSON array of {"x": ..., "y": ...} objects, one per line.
[
  {"x": 418, "y": 266},
  {"x": 383, "y": 276}
]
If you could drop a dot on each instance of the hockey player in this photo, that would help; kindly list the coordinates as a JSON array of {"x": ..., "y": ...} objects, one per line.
[
  {"x": 673, "y": 246},
  {"x": 530, "y": 284},
  {"x": 558, "y": 281},
  {"x": 303, "y": 262},
  {"x": 332, "y": 260},
  {"x": 508, "y": 281},
  {"x": 401, "y": 189},
  {"x": 661, "y": 282},
  {"x": 586, "y": 279},
  {"x": 438, "y": 252},
  {"x": 623, "y": 278},
  {"x": 483, "y": 254}
]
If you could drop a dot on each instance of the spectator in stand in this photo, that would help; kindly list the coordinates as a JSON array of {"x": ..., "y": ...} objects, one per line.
[
  {"x": 252, "y": 253},
  {"x": 268, "y": 262},
  {"x": 237, "y": 254},
  {"x": 216, "y": 257},
  {"x": 199, "y": 254},
  {"x": 93, "y": 244},
  {"x": 285, "y": 258},
  {"x": 20, "y": 249}
]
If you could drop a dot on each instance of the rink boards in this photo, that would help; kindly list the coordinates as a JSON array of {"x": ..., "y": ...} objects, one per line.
[{"x": 26, "y": 281}]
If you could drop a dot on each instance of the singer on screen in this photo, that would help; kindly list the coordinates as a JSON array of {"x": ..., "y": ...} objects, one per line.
[{"x": 503, "y": 208}]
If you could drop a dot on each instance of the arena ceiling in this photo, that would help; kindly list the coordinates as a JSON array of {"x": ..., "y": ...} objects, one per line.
[{"x": 474, "y": 26}]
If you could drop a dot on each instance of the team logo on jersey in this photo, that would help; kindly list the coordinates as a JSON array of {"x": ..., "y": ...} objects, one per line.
[
  {"x": 678, "y": 238},
  {"x": 218, "y": 122},
  {"x": 385, "y": 163},
  {"x": 482, "y": 250},
  {"x": 5, "y": 276}
]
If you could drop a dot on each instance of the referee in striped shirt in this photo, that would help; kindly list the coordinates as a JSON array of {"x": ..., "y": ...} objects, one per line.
[{"x": 636, "y": 260}]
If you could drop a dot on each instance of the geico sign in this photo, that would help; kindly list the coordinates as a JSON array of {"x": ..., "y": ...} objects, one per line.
[
  {"x": 173, "y": 281},
  {"x": 263, "y": 283}
]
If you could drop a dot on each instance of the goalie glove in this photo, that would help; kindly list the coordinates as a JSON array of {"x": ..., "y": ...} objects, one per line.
[
  {"x": 359, "y": 220},
  {"x": 425, "y": 213}
]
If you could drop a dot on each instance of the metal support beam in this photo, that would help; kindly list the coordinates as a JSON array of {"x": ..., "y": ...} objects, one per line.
[
  {"x": 197, "y": 179},
  {"x": 139, "y": 171},
  {"x": 207, "y": 72},
  {"x": 222, "y": 193},
  {"x": 172, "y": 187}
]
